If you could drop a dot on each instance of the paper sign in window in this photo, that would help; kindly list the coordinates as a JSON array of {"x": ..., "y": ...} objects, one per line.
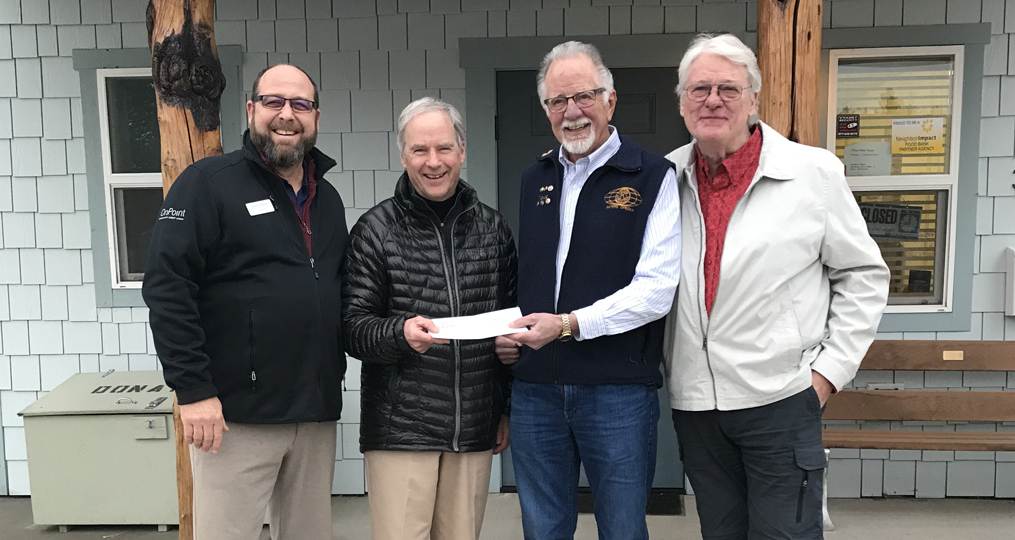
[
  {"x": 918, "y": 136},
  {"x": 868, "y": 158}
]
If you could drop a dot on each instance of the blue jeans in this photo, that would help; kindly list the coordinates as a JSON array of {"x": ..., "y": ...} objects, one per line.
[{"x": 612, "y": 429}]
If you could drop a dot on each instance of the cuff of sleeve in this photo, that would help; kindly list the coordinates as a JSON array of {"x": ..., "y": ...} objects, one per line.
[
  {"x": 831, "y": 370},
  {"x": 590, "y": 324},
  {"x": 399, "y": 324},
  {"x": 186, "y": 396}
]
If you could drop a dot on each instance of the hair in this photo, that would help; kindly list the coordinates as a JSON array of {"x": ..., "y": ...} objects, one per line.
[
  {"x": 728, "y": 46},
  {"x": 571, "y": 49},
  {"x": 428, "y": 104},
  {"x": 257, "y": 81}
]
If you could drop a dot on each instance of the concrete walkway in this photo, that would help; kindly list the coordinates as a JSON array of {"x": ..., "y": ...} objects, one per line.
[{"x": 866, "y": 519}]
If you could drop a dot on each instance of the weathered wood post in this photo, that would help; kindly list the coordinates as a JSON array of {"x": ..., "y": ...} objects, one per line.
[
  {"x": 188, "y": 84},
  {"x": 789, "y": 54}
]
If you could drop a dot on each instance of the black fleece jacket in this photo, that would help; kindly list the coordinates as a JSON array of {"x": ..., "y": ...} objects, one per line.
[{"x": 238, "y": 308}]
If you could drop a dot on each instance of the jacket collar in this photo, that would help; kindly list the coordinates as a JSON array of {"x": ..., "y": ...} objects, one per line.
[
  {"x": 775, "y": 160},
  {"x": 322, "y": 163},
  {"x": 406, "y": 197},
  {"x": 628, "y": 158}
]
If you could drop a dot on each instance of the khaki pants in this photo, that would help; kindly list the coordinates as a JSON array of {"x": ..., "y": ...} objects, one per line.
[
  {"x": 287, "y": 468},
  {"x": 421, "y": 495}
]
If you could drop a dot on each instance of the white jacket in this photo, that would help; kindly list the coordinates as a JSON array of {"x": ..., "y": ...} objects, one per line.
[{"x": 802, "y": 285}]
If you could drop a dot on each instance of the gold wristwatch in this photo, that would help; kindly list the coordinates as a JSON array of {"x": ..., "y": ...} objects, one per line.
[{"x": 565, "y": 327}]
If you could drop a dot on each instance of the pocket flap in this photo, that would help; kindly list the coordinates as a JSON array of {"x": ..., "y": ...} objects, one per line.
[{"x": 810, "y": 457}]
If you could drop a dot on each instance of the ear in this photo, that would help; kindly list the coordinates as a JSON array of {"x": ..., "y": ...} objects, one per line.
[
  {"x": 461, "y": 160},
  {"x": 754, "y": 105},
  {"x": 250, "y": 111},
  {"x": 611, "y": 105}
]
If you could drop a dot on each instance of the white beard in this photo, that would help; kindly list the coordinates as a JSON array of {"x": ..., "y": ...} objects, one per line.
[{"x": 578, "y": 146}]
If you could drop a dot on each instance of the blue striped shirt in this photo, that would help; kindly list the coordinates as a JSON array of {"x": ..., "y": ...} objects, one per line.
[{"x": 650, "y": 294}]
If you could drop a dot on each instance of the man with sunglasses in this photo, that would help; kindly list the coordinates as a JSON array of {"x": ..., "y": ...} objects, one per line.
[
  {"x": 598, "y": 264},
  {"x": 244, "y": 289}
]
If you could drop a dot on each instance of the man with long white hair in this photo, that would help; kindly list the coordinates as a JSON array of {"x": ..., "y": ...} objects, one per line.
[
  {"x": 599, "y": 249},
  {"x": 755, "y": 351}
]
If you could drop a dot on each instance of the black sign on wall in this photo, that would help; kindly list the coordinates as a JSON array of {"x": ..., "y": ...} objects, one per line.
[
  {"x": 919, "y": 281},
  {"x": 847, "y": 126}
]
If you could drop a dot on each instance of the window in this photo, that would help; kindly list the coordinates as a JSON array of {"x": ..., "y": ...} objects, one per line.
[
  {"x": 894, "y": 122},
  {"x": 131, "y": 167}
]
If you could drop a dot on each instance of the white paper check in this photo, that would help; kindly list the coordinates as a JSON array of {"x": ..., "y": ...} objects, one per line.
[{"x": 486, "y": 325}]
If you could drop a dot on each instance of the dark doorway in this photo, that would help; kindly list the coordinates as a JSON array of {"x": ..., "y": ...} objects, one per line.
[{"x": 647, "y": 111}]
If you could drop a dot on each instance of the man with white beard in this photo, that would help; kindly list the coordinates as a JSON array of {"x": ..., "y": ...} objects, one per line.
[{"x": 598, "y": 261}]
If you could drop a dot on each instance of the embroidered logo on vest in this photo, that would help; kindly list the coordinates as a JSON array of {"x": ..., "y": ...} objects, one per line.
[{"x": 624, "y": 198}]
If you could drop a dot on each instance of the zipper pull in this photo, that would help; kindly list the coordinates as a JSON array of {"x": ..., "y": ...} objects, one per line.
[
  {"x": 704, "y": 344},
  {"x": 307, "y": 227},
  {"x": 253, "y": 380},
  {"x": 314, "y": 268}
]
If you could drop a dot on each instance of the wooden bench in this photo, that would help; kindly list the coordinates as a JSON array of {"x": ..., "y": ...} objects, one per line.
[{"x": 926, "y": 405}]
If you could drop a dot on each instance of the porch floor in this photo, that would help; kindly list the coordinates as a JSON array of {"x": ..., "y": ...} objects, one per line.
[{"x": 855, "y": 519}]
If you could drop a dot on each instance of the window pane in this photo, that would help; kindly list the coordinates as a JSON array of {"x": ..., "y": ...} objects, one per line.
[
  {"x": 894, "y": 115},
  {"x": 134, "y": 144},
  {"x": 136, "y": 211},
  {"x": 909, "y": 227}
]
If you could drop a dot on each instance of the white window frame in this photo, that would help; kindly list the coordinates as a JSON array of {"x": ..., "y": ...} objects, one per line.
[
  {"x": 113, "y": 181},
  {"x": 947, "y": 182}
]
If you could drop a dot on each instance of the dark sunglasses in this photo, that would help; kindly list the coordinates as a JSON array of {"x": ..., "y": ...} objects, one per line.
[{"x": 277, "y": 102}]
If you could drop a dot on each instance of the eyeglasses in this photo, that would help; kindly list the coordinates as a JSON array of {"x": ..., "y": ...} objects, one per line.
[
  {"x": 277, "y": 102},
  {"x": 727, "y": 92},
  {"x": 584, "y": 100}
]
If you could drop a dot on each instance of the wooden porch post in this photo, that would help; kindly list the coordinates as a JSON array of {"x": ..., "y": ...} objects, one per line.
[
  {"x": 188, "y": 84},
  {"x": 789, "y": 54}
]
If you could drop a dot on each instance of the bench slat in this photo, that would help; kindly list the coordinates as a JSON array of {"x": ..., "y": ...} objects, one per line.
[
  {"x": 919, "y": 440},
  {"x": 887, "y": 354},
  {"x": 923, "y": 405}
]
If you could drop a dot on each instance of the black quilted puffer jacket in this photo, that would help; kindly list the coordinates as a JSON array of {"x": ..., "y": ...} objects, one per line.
[{"x": 401, "y": 261}]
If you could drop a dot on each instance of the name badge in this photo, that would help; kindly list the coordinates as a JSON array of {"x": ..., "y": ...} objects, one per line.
[{"x": 257, "y": 208}]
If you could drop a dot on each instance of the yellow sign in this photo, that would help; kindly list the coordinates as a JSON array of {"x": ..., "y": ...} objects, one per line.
[{"x": 918, "y": 136}]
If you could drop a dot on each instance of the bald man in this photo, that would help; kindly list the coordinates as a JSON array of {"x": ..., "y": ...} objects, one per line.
[{"x": 244, "y": 292}]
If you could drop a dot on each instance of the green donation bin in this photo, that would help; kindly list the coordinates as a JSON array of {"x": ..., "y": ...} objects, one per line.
[{"x": 101, "y": 451}]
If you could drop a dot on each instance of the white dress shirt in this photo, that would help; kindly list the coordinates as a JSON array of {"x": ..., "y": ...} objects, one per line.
[{"x": 649, "y": 296}]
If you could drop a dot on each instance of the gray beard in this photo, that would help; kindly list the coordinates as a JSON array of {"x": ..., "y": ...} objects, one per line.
[{"x": 282, "y": 157}]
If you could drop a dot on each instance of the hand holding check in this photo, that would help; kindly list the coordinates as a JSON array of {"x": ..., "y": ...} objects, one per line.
[
  {"x": 421, "y": 332},
  {"x": 484, "y": 326}
]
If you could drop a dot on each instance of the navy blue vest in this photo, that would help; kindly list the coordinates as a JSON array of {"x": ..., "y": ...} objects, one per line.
[{"x": 609, "y": 225}]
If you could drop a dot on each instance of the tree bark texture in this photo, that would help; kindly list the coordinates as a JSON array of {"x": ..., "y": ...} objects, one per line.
[
  {"x": 184, "y": 477},
  {"x": 188, "y": 82},
  {"x": 789, "y": 54}
]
